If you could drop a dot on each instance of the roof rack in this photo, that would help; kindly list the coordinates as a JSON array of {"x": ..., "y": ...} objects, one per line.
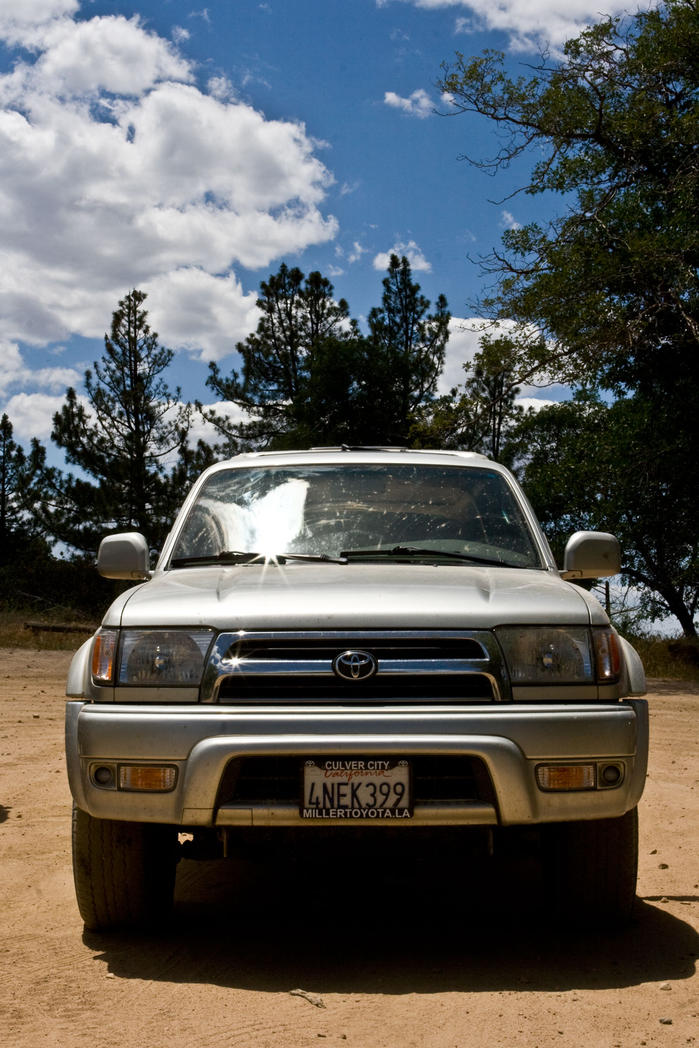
[{"x": 360, "y": 447}]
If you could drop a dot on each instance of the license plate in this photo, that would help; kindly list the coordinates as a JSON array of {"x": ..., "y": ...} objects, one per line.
[{"x": 356, "y": 789}]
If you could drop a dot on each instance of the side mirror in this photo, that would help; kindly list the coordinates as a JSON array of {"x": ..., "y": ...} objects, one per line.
[
  {"x": 591, "y": 555},
  {"x": 124, "y": 556}
]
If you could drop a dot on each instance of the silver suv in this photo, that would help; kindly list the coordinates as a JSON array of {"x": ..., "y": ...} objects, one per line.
[{"x": 353, "y": 637}]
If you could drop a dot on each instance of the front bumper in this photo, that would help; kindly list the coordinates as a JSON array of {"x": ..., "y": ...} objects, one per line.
[{"x": 510, "y": 741}]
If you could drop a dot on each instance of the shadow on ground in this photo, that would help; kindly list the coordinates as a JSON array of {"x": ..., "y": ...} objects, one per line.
[{"x": 356, "y": 928}]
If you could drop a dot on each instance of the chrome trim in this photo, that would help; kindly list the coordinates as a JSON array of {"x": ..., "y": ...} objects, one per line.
[
  {"x": 467, "y": 813},
  {"x": 354, "y": 665},
  {"x": 220, "y": 665}
]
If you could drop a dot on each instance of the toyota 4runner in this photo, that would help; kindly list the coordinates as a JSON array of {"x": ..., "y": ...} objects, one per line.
[{"x": 352, "y": 638}]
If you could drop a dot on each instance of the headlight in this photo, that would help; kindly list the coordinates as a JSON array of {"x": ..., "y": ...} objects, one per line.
[
  {"x": 550, "y": 655},
  {"x": 150, "y": 658},
  {"x": 167, "y": 658}
]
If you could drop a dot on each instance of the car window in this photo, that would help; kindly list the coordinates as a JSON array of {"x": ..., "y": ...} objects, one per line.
[{"x": 326, "y": 509}]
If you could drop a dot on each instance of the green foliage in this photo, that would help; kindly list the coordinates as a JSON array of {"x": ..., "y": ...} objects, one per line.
[
  {"x": 612, "y": 283},
  {"x": 665, "y": 658},
  {"x": 50, "y": 588},
  {"x": 298, "y": 371},
  {"x": 121, "y": 440},
  {"x": 615, "y": 126},
  {"x": 21, "y": 488},
  {"x": 310, "y": 377},
  {"x": 407, "y": 352},
  {"x": 615, "y": 468},
  {"x": 481, "y": 414}
]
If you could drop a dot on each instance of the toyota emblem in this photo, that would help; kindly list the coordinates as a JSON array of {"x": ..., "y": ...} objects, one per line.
[{"x": 354, "y": 665}]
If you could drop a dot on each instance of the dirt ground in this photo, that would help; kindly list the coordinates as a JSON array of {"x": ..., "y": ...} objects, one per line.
[{"x": 380, "y": 959}]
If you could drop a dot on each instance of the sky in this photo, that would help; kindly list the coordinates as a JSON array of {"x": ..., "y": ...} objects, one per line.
[{"x": 188, "y": 148}]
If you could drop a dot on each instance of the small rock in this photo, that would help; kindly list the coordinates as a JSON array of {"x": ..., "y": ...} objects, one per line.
[
  {"x": 666, "y": 1022},
  {"x": 654, "y": 852},
  {"x": 663, "y": 866},
  {"x": 665, "y": 986}
]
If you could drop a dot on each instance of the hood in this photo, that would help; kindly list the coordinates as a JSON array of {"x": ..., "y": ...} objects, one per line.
[{"x": 355, "y": 596}]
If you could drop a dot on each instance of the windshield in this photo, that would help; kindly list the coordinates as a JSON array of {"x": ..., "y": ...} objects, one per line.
[{"x": 371, "y": 510}]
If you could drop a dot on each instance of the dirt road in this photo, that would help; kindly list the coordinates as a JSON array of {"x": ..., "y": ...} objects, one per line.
[{"x": 381, "y": 960}]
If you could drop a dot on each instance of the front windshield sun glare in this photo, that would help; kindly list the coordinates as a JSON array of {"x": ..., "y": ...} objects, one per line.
[
  {"x": 266, "y": 557},
  {"x": 322, "y": 511}
]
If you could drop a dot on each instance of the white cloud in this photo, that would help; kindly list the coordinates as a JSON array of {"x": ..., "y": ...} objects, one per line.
[
  {"x": 117, "y": 172},
  {"x": 467, "y": 26},
  {"x": 221, "y": 87},
  {"x": 412, "y": 252},
  {"x": 530, "y": 23},
  {"x": 110, "y": 53},
  {"x": 32, "y": 414},
  {"x": 461, "y": 348},
  {"x": 12, "y": 367},
  {"x": 192, "y": 310},
  {"x": 14, "y": 372},
  {"x": 534, "y": 403},
  {"x": 356, "y": 252},
  {"x": 508, "y": 221},
  {"x": 417, "y": 104},
  {"x": 19, "y": 22},
  {"x": 206, "y": 431}
]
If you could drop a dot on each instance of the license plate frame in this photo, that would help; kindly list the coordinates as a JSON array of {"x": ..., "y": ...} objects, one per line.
[{"x": 356, "y": 789}]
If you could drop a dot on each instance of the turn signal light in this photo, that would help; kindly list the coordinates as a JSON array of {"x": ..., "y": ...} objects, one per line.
[
  {"x": 103, "y": 652},
  {"x": 147, "y": 778},
  {"x": 607, "y": 655},
  {"x": 566, "y": 776}
]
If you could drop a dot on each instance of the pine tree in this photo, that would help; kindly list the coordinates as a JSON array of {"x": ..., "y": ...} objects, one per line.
[
  {"x": 123, "y": 436},
  {"x": 296, "y": 383},
  {"x": 408, "y": 346},
  {"x": 310, "y": 377},
  {"x": 21, "y": 488}
]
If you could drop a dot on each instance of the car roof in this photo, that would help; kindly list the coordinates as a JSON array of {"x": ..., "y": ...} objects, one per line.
[{"x": 359, "y": 454}]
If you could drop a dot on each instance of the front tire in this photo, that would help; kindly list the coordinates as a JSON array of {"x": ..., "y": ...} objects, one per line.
[
  {"x": 594, "y": 866},
  {"x": 124, "y": 872}
]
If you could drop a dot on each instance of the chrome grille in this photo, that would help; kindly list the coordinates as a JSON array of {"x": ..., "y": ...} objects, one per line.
[{"x": 411, "y": 666}]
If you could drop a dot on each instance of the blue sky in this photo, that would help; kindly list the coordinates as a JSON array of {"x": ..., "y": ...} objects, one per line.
[{"x": 188, "y": 149}]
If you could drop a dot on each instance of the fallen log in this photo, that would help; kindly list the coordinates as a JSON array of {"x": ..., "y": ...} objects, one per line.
[{"x": 58, "y": 627}]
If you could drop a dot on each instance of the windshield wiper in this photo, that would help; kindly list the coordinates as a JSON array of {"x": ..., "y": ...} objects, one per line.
[
  {"x": 234, "y": 556},
  {"x": 226, "y": 556},
  {"x": 324, "y": 558},
  {"x": 419, "y": 551}
]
